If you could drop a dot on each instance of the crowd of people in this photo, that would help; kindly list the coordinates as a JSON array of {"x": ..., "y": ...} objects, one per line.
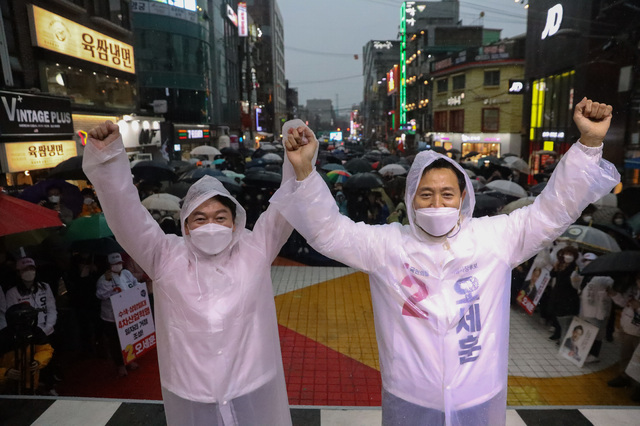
[{"x": 71, "y": 293}]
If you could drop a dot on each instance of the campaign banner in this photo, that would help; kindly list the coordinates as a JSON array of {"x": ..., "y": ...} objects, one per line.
[
  {"x": 534, "y": 285},
  {"x": 576, "y": 344},
  {"x": 136, "y": 330}
]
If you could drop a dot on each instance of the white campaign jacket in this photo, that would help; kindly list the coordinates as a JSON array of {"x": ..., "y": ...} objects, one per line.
[
  {"x": 629, "y": 318},
  {"x": 215, "y": 315},
  {"x": 441, "y": 305},
  {"x": 43, "y": 299},
  {"x": 107, "y": 288}
]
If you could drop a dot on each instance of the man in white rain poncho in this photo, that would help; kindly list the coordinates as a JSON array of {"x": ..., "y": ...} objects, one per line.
[
  {"x": 440, "y": 286},
  {"x": 218, "y": 344}
]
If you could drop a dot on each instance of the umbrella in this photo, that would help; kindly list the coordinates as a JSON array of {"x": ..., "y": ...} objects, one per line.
[
  {"x": 389, "y": 159},
  {"x": 487, "y": 204},
  {"x": 366, "y": 180},
  {"x": 490, "y": 159},
  {"x": 537, "y": 189},
  {"x": 470, "y": 173},
  {"x": 88, "y": 228},
  {"x": 25, "y": 239},
  {"x": 470, "y": 154},
  {"x": 628, "y": 200},
  {"x": 218, "y": 161},
  {"x": 332, "y": 166},
  {"x": 180, "y": 166},
  {"x": 258, "y": 162},
  {"x": 205, "y": 150},
  {"x": 162, "y": 202},
  {"x": 70, "y": 169},
  {"x": 612, "y": 263},
  {"x": 272, "y": 157},
  {"x": 102, "y": 246},
  {"x": 439, "y": 150},
  {"x": 262, "y": 179},
  {"x": 153, "y": 170},
  {"x": 393, "y": 170},
  {"x": 179, "y": 189},
  {"x": 624, "y": 240},
  {"x": 233, "y": 175},
  {"x": 515, "y": 163},
  {"x": 18, "y": 216},
  {"x": 338, "y": 176},
  {"x": 230, "y": 184},
  {"x": 508, "y": 188},
  {"x": 605, "y": 214},
  {"x": 70, "y": 194},
  {"x": 357, "y": 165},
  {"x": 477, "y": 185},
  {"x": 195, "y": 174},
  {"x": 454, "y": 151},
  {"x": 634, "y": 222},
  {"x": 268, "y": 147},
  {"x": 609, "y": 200},
  {"x": 590, "y": 238},
  {"x": 230, "y": 152},
  {"x": 514, "y": 205}
]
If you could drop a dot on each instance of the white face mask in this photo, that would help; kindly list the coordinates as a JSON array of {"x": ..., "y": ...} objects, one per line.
[
  {"x": 55, "y": 199},
  {"x": 568, "y": 258},
  {"x": 211, "y": 238},
  {"x": 437, "y": 221},
  {"x": 88, "y": 201},
  {"x": 587, "y": 218},
  {"x": 618, "y": 221},
  {"x": 117, "y": 268},
  {"x": 28, "y": 275}
]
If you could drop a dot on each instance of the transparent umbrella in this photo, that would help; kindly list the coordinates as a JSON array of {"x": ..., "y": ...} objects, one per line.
[
  {"x": 590, "y": 238},
  {"x": 508, "y": 188}
]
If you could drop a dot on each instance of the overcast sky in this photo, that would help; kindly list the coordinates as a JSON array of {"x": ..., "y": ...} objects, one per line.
[{"x": 321, "y": 37}]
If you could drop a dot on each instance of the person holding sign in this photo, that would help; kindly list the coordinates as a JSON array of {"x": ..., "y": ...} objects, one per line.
[
  {"x": 115, "y": 280},
  {"x": 440, "y": 286},
  {"x": 216, "y": 327}
]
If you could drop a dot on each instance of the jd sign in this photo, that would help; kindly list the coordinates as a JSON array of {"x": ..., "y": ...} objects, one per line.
[{"x": 554, "y": 19}]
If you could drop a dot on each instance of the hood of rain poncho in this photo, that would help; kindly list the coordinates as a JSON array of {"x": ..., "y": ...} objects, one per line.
[
  {"x": 422, "y": 160},
  {"x": 205, "y": 188}
]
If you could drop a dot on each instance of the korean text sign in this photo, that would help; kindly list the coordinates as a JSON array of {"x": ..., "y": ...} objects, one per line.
[
  {"x": 53, "y": 32},
  {"x": 132, "y": 312}
]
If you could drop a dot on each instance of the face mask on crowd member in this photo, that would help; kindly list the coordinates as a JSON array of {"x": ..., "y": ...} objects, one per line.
[
  {"x": 210, "y": 226},
  {"x": 568, "y": 258},
  {"x": 27, "y": 270},
  {"x": 115, "y": 262},
  {"x": 53, "y": 195},
  {"x": 438, "y": 199}
]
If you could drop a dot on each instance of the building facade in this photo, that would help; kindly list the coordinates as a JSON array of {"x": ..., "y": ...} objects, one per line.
[{"x": 474, "y": 106}]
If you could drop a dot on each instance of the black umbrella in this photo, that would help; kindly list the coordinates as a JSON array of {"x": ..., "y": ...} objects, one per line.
[
  {"x": 153, "y": 170},
  {"x": 181, "y": 167},
  {"x": 258, "y": 162},
  {"x": 389, "y": 159},
  {"x": 624, "y": 240},
  {"x": 70, "y": 169},
  {"x": 179, "y": 189},
  {"x": 103, "y": 246},
  {"x": 357, "y": 165},
  {"x": 439, "y": 150},
  {"x": 628, "y": 200},
  {"x": 195, "y": 174},
  {"x": 262, "y": 179},
  {"x": 230, "y": 152},
  {"x": 230, "y": 184},
  {"x": 614, "y": 263},
  {"x": 470, "y": 154},
  {"x": 488, "y": 204},
  {"x": 537, "y": 189},
  {"x": 366, "y": 180}
]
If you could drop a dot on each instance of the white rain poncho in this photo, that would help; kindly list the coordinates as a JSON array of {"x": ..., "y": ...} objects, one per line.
[
  {"x": 215, "y": 316},
  {"x": 441, "y": 305}
]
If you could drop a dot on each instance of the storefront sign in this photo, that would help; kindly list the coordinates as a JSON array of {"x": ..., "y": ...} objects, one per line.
[
  {"x": 231, "y": 14},
  {"x": 455, "y": 100},
  {"x": 516, "y": 87},
  {"x": 392, "y": 80},
  {"x": 186, "y": 133},
  {"x": 554, "y": 20},
  {"x": 382, "y": 45},
  {"x": 28, "y": 115},
  {"x": 21, "y": 156},
  {"x": 243, "y": 26},
  {"x": 132, "y": 312},
  {"x": 61, "y": 35}
]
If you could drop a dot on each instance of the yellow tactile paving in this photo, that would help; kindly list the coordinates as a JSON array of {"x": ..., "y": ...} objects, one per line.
[{"x": 338, "y": 313}]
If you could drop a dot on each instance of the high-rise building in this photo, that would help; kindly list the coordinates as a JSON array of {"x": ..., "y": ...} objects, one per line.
[{"x": 269, "y": 53}]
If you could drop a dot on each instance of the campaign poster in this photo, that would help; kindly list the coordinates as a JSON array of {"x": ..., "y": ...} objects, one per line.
[
  {"x": 534, "y": 285},
  {"x": 576, "y": 344},
  {"x": 136, "y": 330}
]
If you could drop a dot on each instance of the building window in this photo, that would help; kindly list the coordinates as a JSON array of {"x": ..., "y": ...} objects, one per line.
[
  {"x": 490, "y": 119},
  {"x": 116, "y": 11},
  {"x": 443, "y": 85},
  {"x": 457, "y": 121},
  {"x": 492, "y": 78},
  {"x": 458, "y": 82},
  {"x": 440, "y": 121}
]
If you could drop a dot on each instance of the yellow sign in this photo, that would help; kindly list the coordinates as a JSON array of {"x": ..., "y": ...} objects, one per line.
[
  {"x": 548, "y": 145},
  {"x": 23, "y": 156},
  {"x": 62, "y": 35}
]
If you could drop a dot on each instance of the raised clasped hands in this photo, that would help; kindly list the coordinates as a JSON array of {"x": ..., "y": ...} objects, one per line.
[{"x": 301, "y": 154}]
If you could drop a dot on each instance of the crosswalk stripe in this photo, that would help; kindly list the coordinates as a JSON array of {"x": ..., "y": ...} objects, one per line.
[
  {"x": 617, "y": 416},
  {"x": 77, "y": 413}
]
